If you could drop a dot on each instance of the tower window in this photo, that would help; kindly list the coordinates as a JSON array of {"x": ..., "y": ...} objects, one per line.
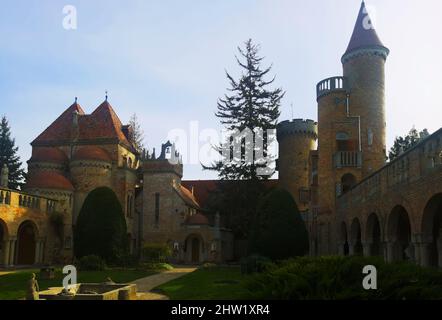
[
  {"x": 157, "y": 208},
  {"x": 348, "y": 181},
  {"x": 344, "y": 143}
]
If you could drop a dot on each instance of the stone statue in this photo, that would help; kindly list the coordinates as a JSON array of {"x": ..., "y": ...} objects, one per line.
[
  {"x": 32, "y": 293},
  {"x": 109, "y": 281},
  {"x": 4, "y": 176}
]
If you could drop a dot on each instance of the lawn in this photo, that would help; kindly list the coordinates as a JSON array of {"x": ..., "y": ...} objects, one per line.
[
  {"x": 13, "y": 285},
  {"x": 212, "y": 283}
]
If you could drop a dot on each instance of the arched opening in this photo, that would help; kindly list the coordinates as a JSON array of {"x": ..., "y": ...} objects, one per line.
[
  {"x": 399, "y": 236},
  {"x": 432, "y": 230},
  {"x": 348, "y": 181},
  {"x": 194, "y": 249},
  {"x": 3, "y": 237},
  {"x": 344, "y": 239},
  {"x": 356, "y": 240},
  {"x": 374, "y": 235},
  {"x": 26, "y": 243}
]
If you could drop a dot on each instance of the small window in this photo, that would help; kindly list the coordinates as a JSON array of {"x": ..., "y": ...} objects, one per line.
[{"x": 157, "y": 208}]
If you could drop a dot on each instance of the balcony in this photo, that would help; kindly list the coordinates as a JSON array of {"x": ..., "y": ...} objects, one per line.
[
  {"x": 329, "y": 85},
  {"x": 345, "y": 159}
]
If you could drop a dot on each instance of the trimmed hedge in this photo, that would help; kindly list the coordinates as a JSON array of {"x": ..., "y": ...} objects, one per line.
[
  {"x": 101, "y": 227},
  {"x": 91, "y": 263},
  {"x": 278, "y": 231},
  {"x": 156, "y": 252},
  {"x": 340, "y": 278}
]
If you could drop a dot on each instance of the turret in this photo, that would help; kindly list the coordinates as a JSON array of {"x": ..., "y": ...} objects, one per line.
[
  {"x": 351, "y": 117},
  {"x": 364, "y": 71},
  {"x": 296, "y": 139}
]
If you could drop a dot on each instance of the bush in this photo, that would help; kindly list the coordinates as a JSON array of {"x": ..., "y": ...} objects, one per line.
[
  {"x": 155, "y": 252},
  {"x": 91, "y": 263},
  {"x": 278, "y": 231},
  {"x": 158, "y": 266},
  {"x": 127, "y": 261},
  {"x": 101, "y": 227},
  {"x": 254, "y": 263},
  {"x": 340, "y": 278}
]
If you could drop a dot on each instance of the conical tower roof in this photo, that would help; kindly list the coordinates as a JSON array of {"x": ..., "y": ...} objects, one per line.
[{"x": 364, "y": 35}]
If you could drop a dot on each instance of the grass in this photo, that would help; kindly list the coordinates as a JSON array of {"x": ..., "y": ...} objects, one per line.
[
  {"x": 212, "y": 283},
  {"x": 13, "y": 285}
]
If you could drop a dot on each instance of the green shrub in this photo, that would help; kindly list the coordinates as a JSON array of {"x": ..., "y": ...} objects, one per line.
[
  {"x": 254, "y": 263},
  {"x": 156, "y": 252},
  {"x": 101, "y": 227},
  {"x": 278, "y": 231},
  {"x": 340, "y": 278},
  {"x": 157, "y": 266},
  {"x": 127, "y": 261},
  {"x": 91, "y": 263}
]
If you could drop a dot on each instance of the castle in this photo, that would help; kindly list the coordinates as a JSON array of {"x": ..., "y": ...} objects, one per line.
[{"x": 351, "y": 199}]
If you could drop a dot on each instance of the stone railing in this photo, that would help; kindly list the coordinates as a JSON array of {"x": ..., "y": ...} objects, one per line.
[
  {"x": 345, "y": 159},
  {"x": 330, "y": 85},
  {"x": 424, "y": 159},
  {"x": 20, "y": 199}
]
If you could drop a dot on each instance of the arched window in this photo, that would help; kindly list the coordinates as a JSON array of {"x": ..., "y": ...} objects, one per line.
[
  {"x": 348, "y": 181},
  {"x": 344, "y": 143}
]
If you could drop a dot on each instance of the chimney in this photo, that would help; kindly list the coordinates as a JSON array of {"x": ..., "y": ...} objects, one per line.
[{"x": 4, "y": 181}]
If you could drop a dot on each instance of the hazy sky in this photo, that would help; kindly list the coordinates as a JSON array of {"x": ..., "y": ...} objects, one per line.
[{"x": 165, "y": 60}]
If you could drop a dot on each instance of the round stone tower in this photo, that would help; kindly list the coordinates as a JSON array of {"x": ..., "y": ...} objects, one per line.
[
  {"x": 364, "y": 71},
  {"x": 296, "y": 139}
]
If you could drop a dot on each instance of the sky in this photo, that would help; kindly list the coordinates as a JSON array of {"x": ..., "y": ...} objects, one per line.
[{"x": 166, "y": 60}]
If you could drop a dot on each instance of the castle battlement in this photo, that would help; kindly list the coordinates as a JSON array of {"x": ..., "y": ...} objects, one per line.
[{"x": 297, "y": 126}]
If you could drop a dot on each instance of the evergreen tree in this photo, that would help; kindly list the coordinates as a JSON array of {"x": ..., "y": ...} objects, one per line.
[
  {"x": 137, "y": 133},
  {"x": 8, "y": 155},
  {"x": 402, "y": 144},
  {"x": 250, "y": 104}
]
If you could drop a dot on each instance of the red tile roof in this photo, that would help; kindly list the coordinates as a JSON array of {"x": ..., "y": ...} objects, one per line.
[
  {"x": 92, "y": 153},
  {"x": 187, "y": 197},
  {"x": 47, "y": 154},
  {"x": 103, "y": 123},
  {"x": 203, "y": 188},
  {"x": 60, "y": 128},
  {"x": 197, "y": 219},
  {"x": 48, "y": 180}
]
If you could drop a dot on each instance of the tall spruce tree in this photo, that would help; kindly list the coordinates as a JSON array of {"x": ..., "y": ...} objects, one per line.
[
  {"x": 8, "y": 155},
  {"x": 249, "y": 105}
]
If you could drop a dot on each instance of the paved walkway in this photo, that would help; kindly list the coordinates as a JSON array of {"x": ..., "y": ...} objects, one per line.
[{"x": 145, "y": 285}]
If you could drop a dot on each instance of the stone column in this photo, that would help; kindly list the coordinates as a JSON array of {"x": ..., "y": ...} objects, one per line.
[
  {"x": 351, "y": 248},
  {"x": 391, "y": 248},
  {"x": 416, "y": 240},
  {"x": 37, "y": 252},
  {"x": 366, "y": 249},
  {"x": 439, "y": 249},
  {"x": 5, "y": 259},
  {"x": 12, "y": 245},
  {"x": 341, "y": 249}
]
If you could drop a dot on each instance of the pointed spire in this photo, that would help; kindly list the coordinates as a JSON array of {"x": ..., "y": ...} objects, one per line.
[{"x": 364, "y": 35}]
